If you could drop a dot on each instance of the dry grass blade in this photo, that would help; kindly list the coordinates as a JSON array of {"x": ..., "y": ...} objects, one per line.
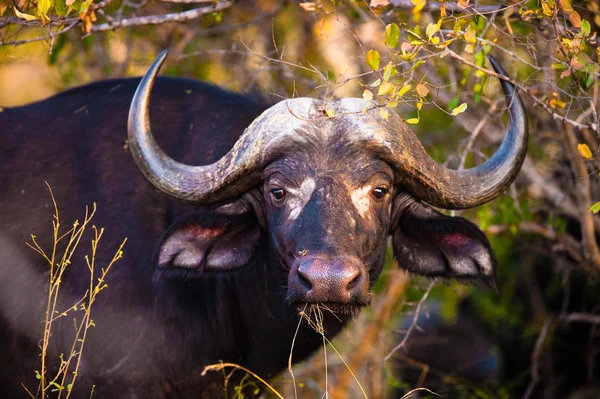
[{"x": 222, "y": 366}]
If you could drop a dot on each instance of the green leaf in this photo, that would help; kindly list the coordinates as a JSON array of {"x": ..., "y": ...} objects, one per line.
[
  {"x": 389, "y": 71},
  {"x": 460, "y": 109},
  {"x": 392, "y": 35},
  {"x": 589, "y": 80},
  {"x": 595, "y": 208},
  {"x": 373, "y": 59},
  {"x": 585, "y": 27},
  {"x": 558, "y": 66},
  {"x": 60, "y": 6}
]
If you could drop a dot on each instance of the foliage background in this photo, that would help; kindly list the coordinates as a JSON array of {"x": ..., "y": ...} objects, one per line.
[{"x": 427, "y": 61}]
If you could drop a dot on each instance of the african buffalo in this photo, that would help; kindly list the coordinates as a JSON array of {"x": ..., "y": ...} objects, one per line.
[{"x": 293, "y": 213}]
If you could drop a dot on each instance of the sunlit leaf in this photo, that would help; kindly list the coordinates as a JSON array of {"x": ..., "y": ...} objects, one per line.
[
  {"x": 367, "y": 95},
  {"x": 389, "y": 71},
  {"x": 384, "y": 113},
  {"x": 575, "y": 19},
  {"x": 404, "y": 90},
  {"x": 470, "y": 35},
  {"x": 392, "y": 104},
  {"x": 22, "y": 15},
  {"x": 419, "y": 4},
  {"x": 43, "y": 6},
  {"x": 392, "y": 35},
  {"x": 376, "y": 83},
  {"x": 584, "y": 150},
  {"x": 385, "y": 88},
  {"x": 595, "y": 208},
  {"x": 373, "y": 59},
  {"x": 330, "y": 113},
  {"x": 419, "y": 105},
  {"x": 460, "y": 109},
  {"x": 585, "y": 27},
  {"x": 432, "y": 29},
  {"x": 308, "y": 6},
  {"x": 412, "y": 121},
  {"x": 422, "y": 90}
]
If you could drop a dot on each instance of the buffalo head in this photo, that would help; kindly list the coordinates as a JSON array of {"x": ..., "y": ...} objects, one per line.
[{"x": 324, "y": 190}]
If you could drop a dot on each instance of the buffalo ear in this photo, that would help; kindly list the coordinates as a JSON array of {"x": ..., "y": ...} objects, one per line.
[
  {"x": 429, "y": 243},
  {"x": 208, "y": 241}
]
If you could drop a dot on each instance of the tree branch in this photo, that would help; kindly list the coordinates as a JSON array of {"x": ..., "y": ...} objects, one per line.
[{"x": 165, "y": 18}]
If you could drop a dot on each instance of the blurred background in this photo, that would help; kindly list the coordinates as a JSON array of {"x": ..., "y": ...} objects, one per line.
[{"x": 538, "y": 334}]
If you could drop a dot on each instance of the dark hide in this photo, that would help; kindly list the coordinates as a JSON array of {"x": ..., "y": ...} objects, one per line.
[{"x": 197, "y": 285}]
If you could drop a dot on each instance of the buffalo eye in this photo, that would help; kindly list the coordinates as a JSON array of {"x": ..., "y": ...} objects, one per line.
[
  {"x": 278, "y": 194},
  {"x": 379, "y": 193}
]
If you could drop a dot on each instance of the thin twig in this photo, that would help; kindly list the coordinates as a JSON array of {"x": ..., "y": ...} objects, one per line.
[
  {"x": 535, "y": 358},
  {"x": 413, "y": 325},
  {"x": 164, "y": 18}
]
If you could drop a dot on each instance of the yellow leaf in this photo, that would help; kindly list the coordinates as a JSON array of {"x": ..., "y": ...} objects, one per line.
[
  {"x": 432, "y": 29},
  {"x": 584, "y": 150},
  {"x": 330, "y": 113},
  {"x": 469, "y": 48},
  {"x": 419, "y": 105},
  {"x": 373, "y": 58},
  {"x": 460, "y": 109},
  {"x": 384, "y": 114},
  {"x": 419, "y": 4},
  {"x": 404, "y": 90},
  {"x": 412, "y": 121},
  {"x": 22, "y": 15},
  {"x": 392, "y": 104},
  {"x": 422, "y": 90},
  {"x": 443, "y": 11},
  {"x": 367, "y": 95},
  {"x": 385, "y": 88},
  {"x": 470, "y": 35}
]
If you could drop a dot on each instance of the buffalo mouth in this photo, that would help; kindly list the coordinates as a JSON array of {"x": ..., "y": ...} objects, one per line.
[{"x": 316, "y": 310}]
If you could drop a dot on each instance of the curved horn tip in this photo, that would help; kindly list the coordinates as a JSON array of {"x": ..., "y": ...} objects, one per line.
[
  {"x": 496, "y": 65},
  {"x": 157, "y": 64}
]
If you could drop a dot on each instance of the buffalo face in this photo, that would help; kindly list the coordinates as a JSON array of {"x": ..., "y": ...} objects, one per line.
[
  {"x": 319, "y": 193},
  {"x": 328, "y": 218}
]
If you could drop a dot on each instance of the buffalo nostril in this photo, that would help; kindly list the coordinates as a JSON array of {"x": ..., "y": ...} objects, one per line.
[
  {"x": 304, "y": 280},
  {"x": 354, "y": 282}
]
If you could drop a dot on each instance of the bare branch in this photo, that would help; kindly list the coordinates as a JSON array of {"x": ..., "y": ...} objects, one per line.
[
  {"x": 556, "y": 116},
  {"x": 537, "y": 353},
  {"x": 165, "y": 18},
  {"x": 450, "y": 7},
  {"x": 581, "y": 317},
  {"x": 413, "y": 325}
]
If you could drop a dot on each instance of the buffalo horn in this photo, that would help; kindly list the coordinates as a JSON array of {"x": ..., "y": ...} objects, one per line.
[
  {"x": 230, "y": 176},
  {"x": 454, "y": 189}
]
